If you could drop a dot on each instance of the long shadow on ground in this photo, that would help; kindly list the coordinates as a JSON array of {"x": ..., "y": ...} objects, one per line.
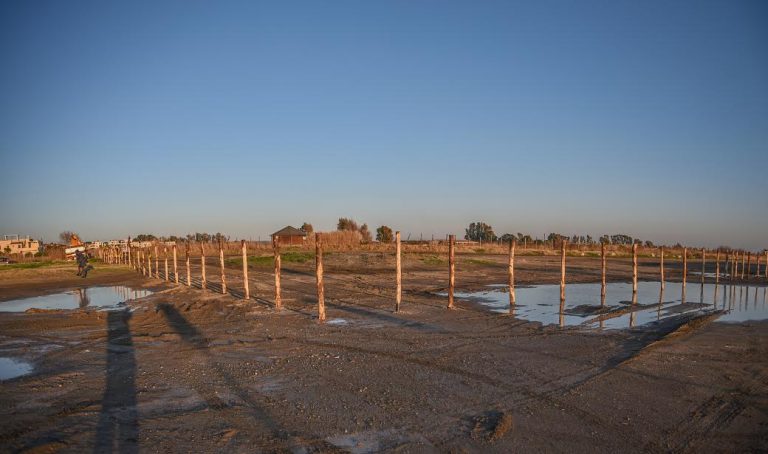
[{"x": 118, "y": 427}]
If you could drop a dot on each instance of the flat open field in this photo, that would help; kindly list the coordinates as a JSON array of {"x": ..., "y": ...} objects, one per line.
[{"x": 190, "y": 370}]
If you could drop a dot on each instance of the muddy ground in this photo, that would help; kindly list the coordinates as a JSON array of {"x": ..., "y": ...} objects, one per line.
[{"x": 196, "y": 371}]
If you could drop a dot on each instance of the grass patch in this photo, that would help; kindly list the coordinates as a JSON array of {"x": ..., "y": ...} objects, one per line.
[
  {"x": 29, "y": 265},
  {"x": 480, "y": 262},
  {"x": 269, "y": 260},
  {"x": 433, "y": 260}
]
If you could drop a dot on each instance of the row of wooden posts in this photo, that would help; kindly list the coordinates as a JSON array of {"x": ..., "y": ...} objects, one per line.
[{"x": 141, "y": 261}]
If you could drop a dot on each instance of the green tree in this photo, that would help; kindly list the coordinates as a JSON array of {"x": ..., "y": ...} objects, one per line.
[
  {"x": 307, "y": 227},
  {"x": 347, "y": 224},
  {"x": 384, "y": 234},
  {"x": 365, "y": 233},
  {"x": 479, "y": 231}
]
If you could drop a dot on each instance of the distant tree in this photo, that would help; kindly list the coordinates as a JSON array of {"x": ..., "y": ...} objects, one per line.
[
  {"x": 307, "y": 227},
  {"x": 66, "y": 236},
  {"x": 507, "y": 237},
  {"x": 621, "y": 239},
  {"x": 347, "y": 224},
  {"x": 7, "y": 249},
  {"x": 384, "y": 234},
  {"x": 145, "y": 237},
  {"x": 605, "y": 239},
  {"x": 638, "y": 241},
  {"x": 479, "y": 231},
  {"x": 649, "y": 243},
  {"x": 365, "y": 233}
]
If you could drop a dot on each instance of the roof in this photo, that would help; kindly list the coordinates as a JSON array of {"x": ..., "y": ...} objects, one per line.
[{"x": 289, "y": 231}]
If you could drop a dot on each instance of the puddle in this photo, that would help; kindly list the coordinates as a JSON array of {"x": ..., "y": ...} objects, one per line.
[
  {"x": 12, "y": 368},
  {"x": 93, "y": 297},
  {"x": 337, "y": 321},
  {"x": 582, "y": 305}
]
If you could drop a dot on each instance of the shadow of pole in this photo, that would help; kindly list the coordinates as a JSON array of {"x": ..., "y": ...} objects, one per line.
[
  {"x": 118, "y": 428},
  {"x": 194, "y": 337}
]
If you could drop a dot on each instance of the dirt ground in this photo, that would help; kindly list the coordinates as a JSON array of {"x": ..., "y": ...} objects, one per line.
[{"x": 189, "y": 370}]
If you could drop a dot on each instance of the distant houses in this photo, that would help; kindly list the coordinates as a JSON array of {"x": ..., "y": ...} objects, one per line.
[
  {"x": 290, "y": 236},
  {"x": 14, "y": 244}
]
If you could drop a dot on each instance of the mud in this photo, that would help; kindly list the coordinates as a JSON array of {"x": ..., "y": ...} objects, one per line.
[{"x": 189, "y": 370}]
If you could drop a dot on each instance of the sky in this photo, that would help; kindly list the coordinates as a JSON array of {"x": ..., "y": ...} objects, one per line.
[{"x": 169, "y": 117}]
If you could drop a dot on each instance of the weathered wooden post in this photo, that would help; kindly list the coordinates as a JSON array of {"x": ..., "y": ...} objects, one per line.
[
  {"x": 603, "y": 267},
  {"x": 634, "y": 270},
  {"x": 661, "y": 267},
  {"x": 165, "y": 253},
  {"x": 221, "y": 263},
  {"x": 703, "y": 263},
  {"x": 398, "y": 273},
  {"x": 743, "y": 261},
  {"x": 149, "y": 263},
  {"x": 247, "y": 292},
  {"x": 717, "y": 268},
  {"x": 451, "y": 268},
  {"x": 766, "y": 265},
  {"x": 749, "y": 263},
  {"x": 203, "y": 284},
  {"x": 511, "y": 272},
  {"x": 757, "y": 272},
  {"x": 130, "y": 259},
  {"x": 157, "y": 262},
  {"x": 189, "y": 272},
  {"x": 562, "y": 270},
  {"x": 319, "y": 275},
  {"x": 278, "y": 265},
  {"x": 175, "y": 265},
  {"x": 685, "y": 265}
]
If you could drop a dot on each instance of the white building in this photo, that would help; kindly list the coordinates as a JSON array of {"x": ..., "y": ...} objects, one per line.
[{"x": 14, "y": 244}]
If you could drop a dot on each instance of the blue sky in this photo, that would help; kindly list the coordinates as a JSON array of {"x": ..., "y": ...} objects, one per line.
[{"x": 644, "y": 118}]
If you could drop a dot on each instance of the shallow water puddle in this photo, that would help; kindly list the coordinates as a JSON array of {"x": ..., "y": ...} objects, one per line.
[
  {"x": 582, "y": 303},
  {"x": 12, "y": 368},
  {"x": 99, "y": 297}
]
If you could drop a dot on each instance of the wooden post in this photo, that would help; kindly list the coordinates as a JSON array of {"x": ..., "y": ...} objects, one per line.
[
  {"x": 189, "y": 272},
  {"x": 634, "y": 269},
  {"x": 511, "y": 272},
  {"x": 734, "y": 262},
  {"x": 730, "y": 266},
  {"x": 247, "y": 291},
  {"x": 743, "y": 260},
  {"x": 562, "y": 270},
  {"x": 319, "y": 275},
  {"x": 749, "y": 263},
  {"x": 149, "y": 264},
  {"x": 165, "y": 252},
  {"x": 398, "y": 274},
  {"x": 221, "y": 263},
  {"x": 685, "y": 265},
  {"x": 661, "y": 267},
  {"x": 703, "y": 263},
  {"x": 130, "y": 259},
  {"x": 602, "y": 274},
  {"x": 451, "y": 268},
  {"x": 757, "y": 272},
  {"x": 766, "y": 265},
  {"x": 278, "y": 265},
  {"x": 157, "y": 262},
  {"x": 175, "y": 265},
  {"x": 717, "y": 268},
  {"x": 203, "y": 284}
]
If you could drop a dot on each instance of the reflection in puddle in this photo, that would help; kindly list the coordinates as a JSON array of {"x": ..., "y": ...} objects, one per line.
[
  {"x": 622, "y": 309},
  {"x": 103, "y": 297},
  {"x": 12, "y": 368},
  {"x": 337, "y": 321}
]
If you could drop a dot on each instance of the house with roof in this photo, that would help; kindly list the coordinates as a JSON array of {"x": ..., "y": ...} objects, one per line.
[{"x": 290, "y": 236}]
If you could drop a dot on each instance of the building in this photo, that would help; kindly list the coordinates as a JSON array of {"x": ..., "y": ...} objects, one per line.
[
  {"x": 14, "y": 244},
  {"x": 290, "y": 236}
]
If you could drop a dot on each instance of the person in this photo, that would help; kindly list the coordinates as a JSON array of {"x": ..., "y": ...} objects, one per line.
[
  {"x": 82, "y": 264},
  {"x": 79, "y": 259}
]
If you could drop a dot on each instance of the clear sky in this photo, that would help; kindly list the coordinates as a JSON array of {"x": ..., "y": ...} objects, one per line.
[{"x": 648, "y": 118}]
